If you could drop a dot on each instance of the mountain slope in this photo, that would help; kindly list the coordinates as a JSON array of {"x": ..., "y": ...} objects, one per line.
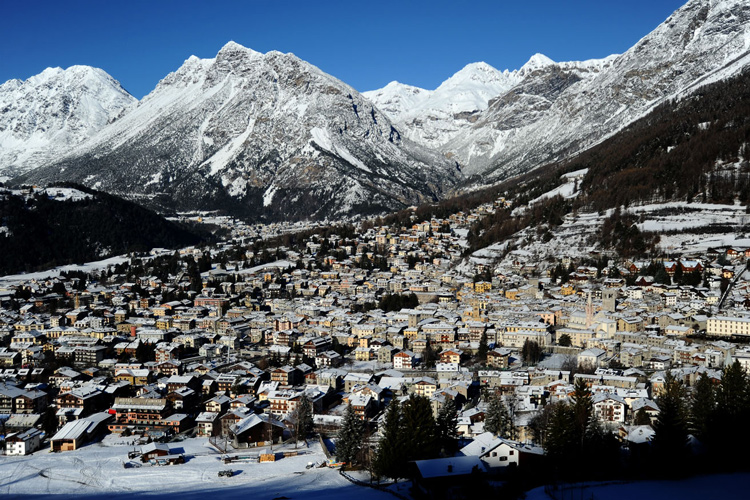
[
  {"x": 43, "y": 228},
  {"x": 263, "y": 135},
  {"x": 558, "y": 113},
  {"x": 47, "y": 115}
]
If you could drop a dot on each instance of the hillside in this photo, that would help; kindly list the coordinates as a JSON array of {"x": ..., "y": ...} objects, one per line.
[{"x": 43, "y": 228}]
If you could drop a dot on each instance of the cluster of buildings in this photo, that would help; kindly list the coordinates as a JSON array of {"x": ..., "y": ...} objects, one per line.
[{"x": 233, "y": 361}]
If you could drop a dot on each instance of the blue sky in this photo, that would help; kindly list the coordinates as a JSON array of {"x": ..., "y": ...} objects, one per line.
[{"x": 365, "y": 44}]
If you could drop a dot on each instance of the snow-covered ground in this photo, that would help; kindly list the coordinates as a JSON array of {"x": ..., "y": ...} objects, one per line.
[
  {"x": 97, "y": 471},
  {"x": 723, "y": 486},
  {"x": 573, "y": 237}
]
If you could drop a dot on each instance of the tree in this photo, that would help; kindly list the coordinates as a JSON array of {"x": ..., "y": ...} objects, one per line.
[
  {"x": 702, "y": 409},
  {"x": 303, "y": 419},
  {"x": 483, "y": 348},
  {"x": 390, "y": 457},
  {"x": 497, "y": 420},
  {"x": 662, "y": 277},
  {"x": 582, "y": 409},
  {"x": 446, "y": 422},
  {"x": 418, "y": 426},
  {"x": 349, "y": 437},
  {"x": 564, "y": 340},
  {"x": 641, "y": 417},
  {"x": 559, "y": 438},
  {"x": 531, "y": 352},
  {"x": 670, "y": 430},
  {"x": 429, "y": 355},
  {"x": 732, "y": 410}
]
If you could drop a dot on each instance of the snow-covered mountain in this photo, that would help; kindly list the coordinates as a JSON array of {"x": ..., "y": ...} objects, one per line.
[
  {"x": 260, "y": 134},
  {"x": 47, "y": 115},
  {"x": 433, "y": 117},
  {"x": 497, "y": 123},
  {"x": 558, "y": 110}
]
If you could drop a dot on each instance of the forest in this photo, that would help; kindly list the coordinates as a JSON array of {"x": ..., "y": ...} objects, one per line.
[{"x": 42, "y": 232}]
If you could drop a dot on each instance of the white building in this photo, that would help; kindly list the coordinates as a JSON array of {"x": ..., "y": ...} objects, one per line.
[{"x": 23, "y": 443}]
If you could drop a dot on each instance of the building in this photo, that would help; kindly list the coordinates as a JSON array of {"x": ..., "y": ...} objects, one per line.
[{"x": 23, "y": 443}]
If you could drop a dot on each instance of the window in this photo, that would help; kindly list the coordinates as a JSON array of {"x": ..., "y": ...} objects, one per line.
[{"x": 512, "y": 452}]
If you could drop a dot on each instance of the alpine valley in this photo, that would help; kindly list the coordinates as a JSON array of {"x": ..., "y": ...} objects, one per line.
[{"x": 270, "y": 137}]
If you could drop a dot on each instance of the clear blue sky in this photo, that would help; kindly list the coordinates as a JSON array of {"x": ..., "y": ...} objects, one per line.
[{"x": 365, "y": 44}]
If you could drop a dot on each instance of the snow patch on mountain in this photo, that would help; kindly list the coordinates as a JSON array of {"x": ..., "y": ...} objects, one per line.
[{"x": 47, "y": 115}]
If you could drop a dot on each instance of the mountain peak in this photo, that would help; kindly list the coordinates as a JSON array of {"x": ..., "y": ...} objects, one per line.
[
  {"x": 536, "y": 62},
  {"x": 232, "y": 46}
]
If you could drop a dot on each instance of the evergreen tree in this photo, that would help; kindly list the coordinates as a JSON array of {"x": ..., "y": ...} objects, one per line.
[
  {"x": 304, "y": 418},
  {"x": 641, "y": 417},
  {"x": 390, "y": 457},
  {"x": 702, "y": 409},
  {"x": 582, "y": 409},
  {"x": 446, "y": 422},
  {"x": 418, "y": 425},
  {"x": 349, "y": 437},
  {"x": 483, "y": 348},
  {"x": 670, "y": 429},
  {"x": 531, "y": 352},
  {"x": 560, "y": 439},
  {"x": 497, "y": 420},
  {"x": 662, "y": 277},
  {"x": 564, "y": 340},
  {"x": 732, "y": 412}
]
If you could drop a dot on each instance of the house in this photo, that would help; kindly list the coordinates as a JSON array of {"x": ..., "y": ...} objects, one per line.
[
  {"x": 497, "y": 453},
  {"x": 425, "y": 387},
  {"x": 436, "y": 478},
  {"x": 256, "y": 429},
  {"x": 206, "y": 422},
  {"x": 593, "y": 357},
  {"x": 404, "y": 360},
  {"x": 23, "y": 443},
  {"x": 499, "y": 358},
  {"x": 154, "y": 450},
  {"x": 609, "y": 408}
]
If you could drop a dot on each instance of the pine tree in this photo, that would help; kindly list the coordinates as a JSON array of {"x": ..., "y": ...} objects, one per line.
[
  {"x": 641, "y": 417},
  {"x": 349, "y": 437},
  {"x": 390, "y": 458},
  {"x": 582, "y": 409},
  {"x": 559, "y": 439},
  {"x": 496, "y": 420},
  {"x": 418, "y": 426},
  {"x": 304, "y": 418},
  {"x": 703, "y": 409},
  {"x": 670, "y": 429},
  {"x": 732, "y": 411},
  {"x": 483, "y": 348},
  {"x": 446, "y": 422}
]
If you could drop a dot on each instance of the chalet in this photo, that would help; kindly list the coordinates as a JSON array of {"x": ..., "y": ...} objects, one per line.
[
  {"x": 286, "y": 375},
  {"x": 497, "y": 453},
  {"x": 207, "y": 424},
  {"x": 425, "y": 387},
  {"x": 23, "y": 443},
  {"x": 256, "y": 429}
]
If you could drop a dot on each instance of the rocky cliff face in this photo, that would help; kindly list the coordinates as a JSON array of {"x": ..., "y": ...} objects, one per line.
[
  {"x": 45, "y": 116},
  {"x": 264, "y": 135}
]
